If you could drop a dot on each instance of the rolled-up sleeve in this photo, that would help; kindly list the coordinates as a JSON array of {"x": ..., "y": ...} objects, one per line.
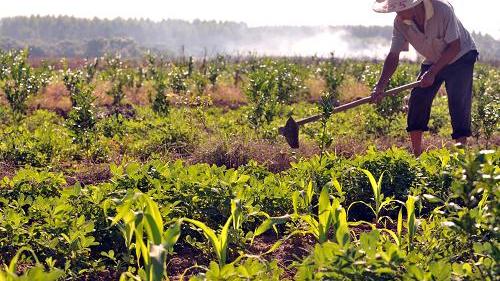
[
  {"x": 452, "y": 32},
  {"x": 398, "y": 42}
]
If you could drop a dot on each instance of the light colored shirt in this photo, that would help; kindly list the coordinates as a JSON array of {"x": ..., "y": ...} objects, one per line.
[{"x": 441, "y": 27}]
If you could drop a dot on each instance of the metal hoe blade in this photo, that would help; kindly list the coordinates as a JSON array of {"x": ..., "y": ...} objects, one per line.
[{"x": 291, "y": 133}]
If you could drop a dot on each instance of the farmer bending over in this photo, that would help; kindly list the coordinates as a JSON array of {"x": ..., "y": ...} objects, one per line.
[{"x": 433, "y": 29}]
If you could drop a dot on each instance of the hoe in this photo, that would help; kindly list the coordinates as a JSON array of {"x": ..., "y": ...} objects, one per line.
[{"x": 291, "y": 129}]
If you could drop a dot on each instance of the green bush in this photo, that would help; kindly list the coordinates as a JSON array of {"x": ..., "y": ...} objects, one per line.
[
  {"x": 400, "y": 173},
  {"x": 271, "y": 84},
  {"x": 81, "y": 119},
  {"x": 333, "y": 75},
  {"x": 63, "y": 226},
  {"x": 119, "y": 78},
  {"x": 215, "y": 69},
  {"x": 160, "y": 103},
  {"x": 112, "y": 127},
  {"x": 177, "y": 79},
  {"x": 158, "y": 136},
  {"x": 486, "y": 108},
  {"x": 200, "y": 83},
  {"x": 20, "y": 80},
  {"x": 38, "y": 141}
]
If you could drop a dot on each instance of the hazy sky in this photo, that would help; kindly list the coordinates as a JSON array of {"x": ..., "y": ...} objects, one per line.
[{"x": 479, "y": 15}]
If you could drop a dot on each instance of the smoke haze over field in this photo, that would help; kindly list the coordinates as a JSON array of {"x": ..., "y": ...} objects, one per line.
[{"x": 322, "y": 44}]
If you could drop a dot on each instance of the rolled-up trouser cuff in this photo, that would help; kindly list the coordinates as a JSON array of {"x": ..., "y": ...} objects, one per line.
[
  {"x": 413, "y": 129},
  {"x": 461, "y": 134}
]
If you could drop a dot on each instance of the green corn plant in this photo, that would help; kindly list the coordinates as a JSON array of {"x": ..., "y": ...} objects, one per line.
[
  {"x": 378, "y": 197},
  {"x": 34, "y": 273},
  {"x": 411, "y": 221},
  {"x": 319, "y": 227},
  {"x": 220, "y": 242},
  {"x": 399, "y": 227},
  {"x": 143, "y": 230},
  {"x": 236, "y": 213},
  {"x": 398, "y": 235},
  {"x": 303, "y": 197},
  {"x": 331, "y": 215},
  {"x": 271, "y": 222}
]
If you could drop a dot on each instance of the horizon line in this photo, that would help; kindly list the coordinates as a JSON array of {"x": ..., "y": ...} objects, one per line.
[{"x": 206, "y": 20}]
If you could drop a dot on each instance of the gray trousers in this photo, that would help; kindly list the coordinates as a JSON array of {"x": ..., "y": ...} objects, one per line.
[{"x": 458, "y": 78}]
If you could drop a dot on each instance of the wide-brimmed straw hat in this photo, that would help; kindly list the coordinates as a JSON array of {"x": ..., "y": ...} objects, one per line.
[{"x": 389, "y": 6}]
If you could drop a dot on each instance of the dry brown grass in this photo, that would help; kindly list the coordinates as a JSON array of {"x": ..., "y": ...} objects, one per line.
[
  {"x": 103, "y": 99},
  {"x": 140, "y": 96},
  {"x": 316, "y": 86},
  {"x": 352, "y": 90},
  {"x": 3, "y": 99},
  {"x": 54, "y": 97},
  {"x": 227, "y": 96},
  {"x": 347, "y": 147},
  {"x": 7, "y": 169},
  {"x": 87, "y": 173},
  {"x": 278, "y": 156},
  {"x": 237, "y": 152}
]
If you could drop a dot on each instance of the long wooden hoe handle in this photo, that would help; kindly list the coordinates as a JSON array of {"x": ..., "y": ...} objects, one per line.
[{"x": 355, "y": 103}]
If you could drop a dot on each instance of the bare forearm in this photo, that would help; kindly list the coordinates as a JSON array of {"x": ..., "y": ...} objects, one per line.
[{"x": 390, "y": 66}]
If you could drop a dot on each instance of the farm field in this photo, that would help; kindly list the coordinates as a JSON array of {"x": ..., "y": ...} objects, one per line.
[{"x": 173, "y": 168}]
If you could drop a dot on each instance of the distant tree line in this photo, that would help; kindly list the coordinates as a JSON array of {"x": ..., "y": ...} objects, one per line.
[{"x": 63, "y": 36}]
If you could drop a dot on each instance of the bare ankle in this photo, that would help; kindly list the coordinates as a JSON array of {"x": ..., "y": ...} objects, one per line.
[
  {"x": 461, "y": 141},
  {"x": 416, "y": 142}
]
